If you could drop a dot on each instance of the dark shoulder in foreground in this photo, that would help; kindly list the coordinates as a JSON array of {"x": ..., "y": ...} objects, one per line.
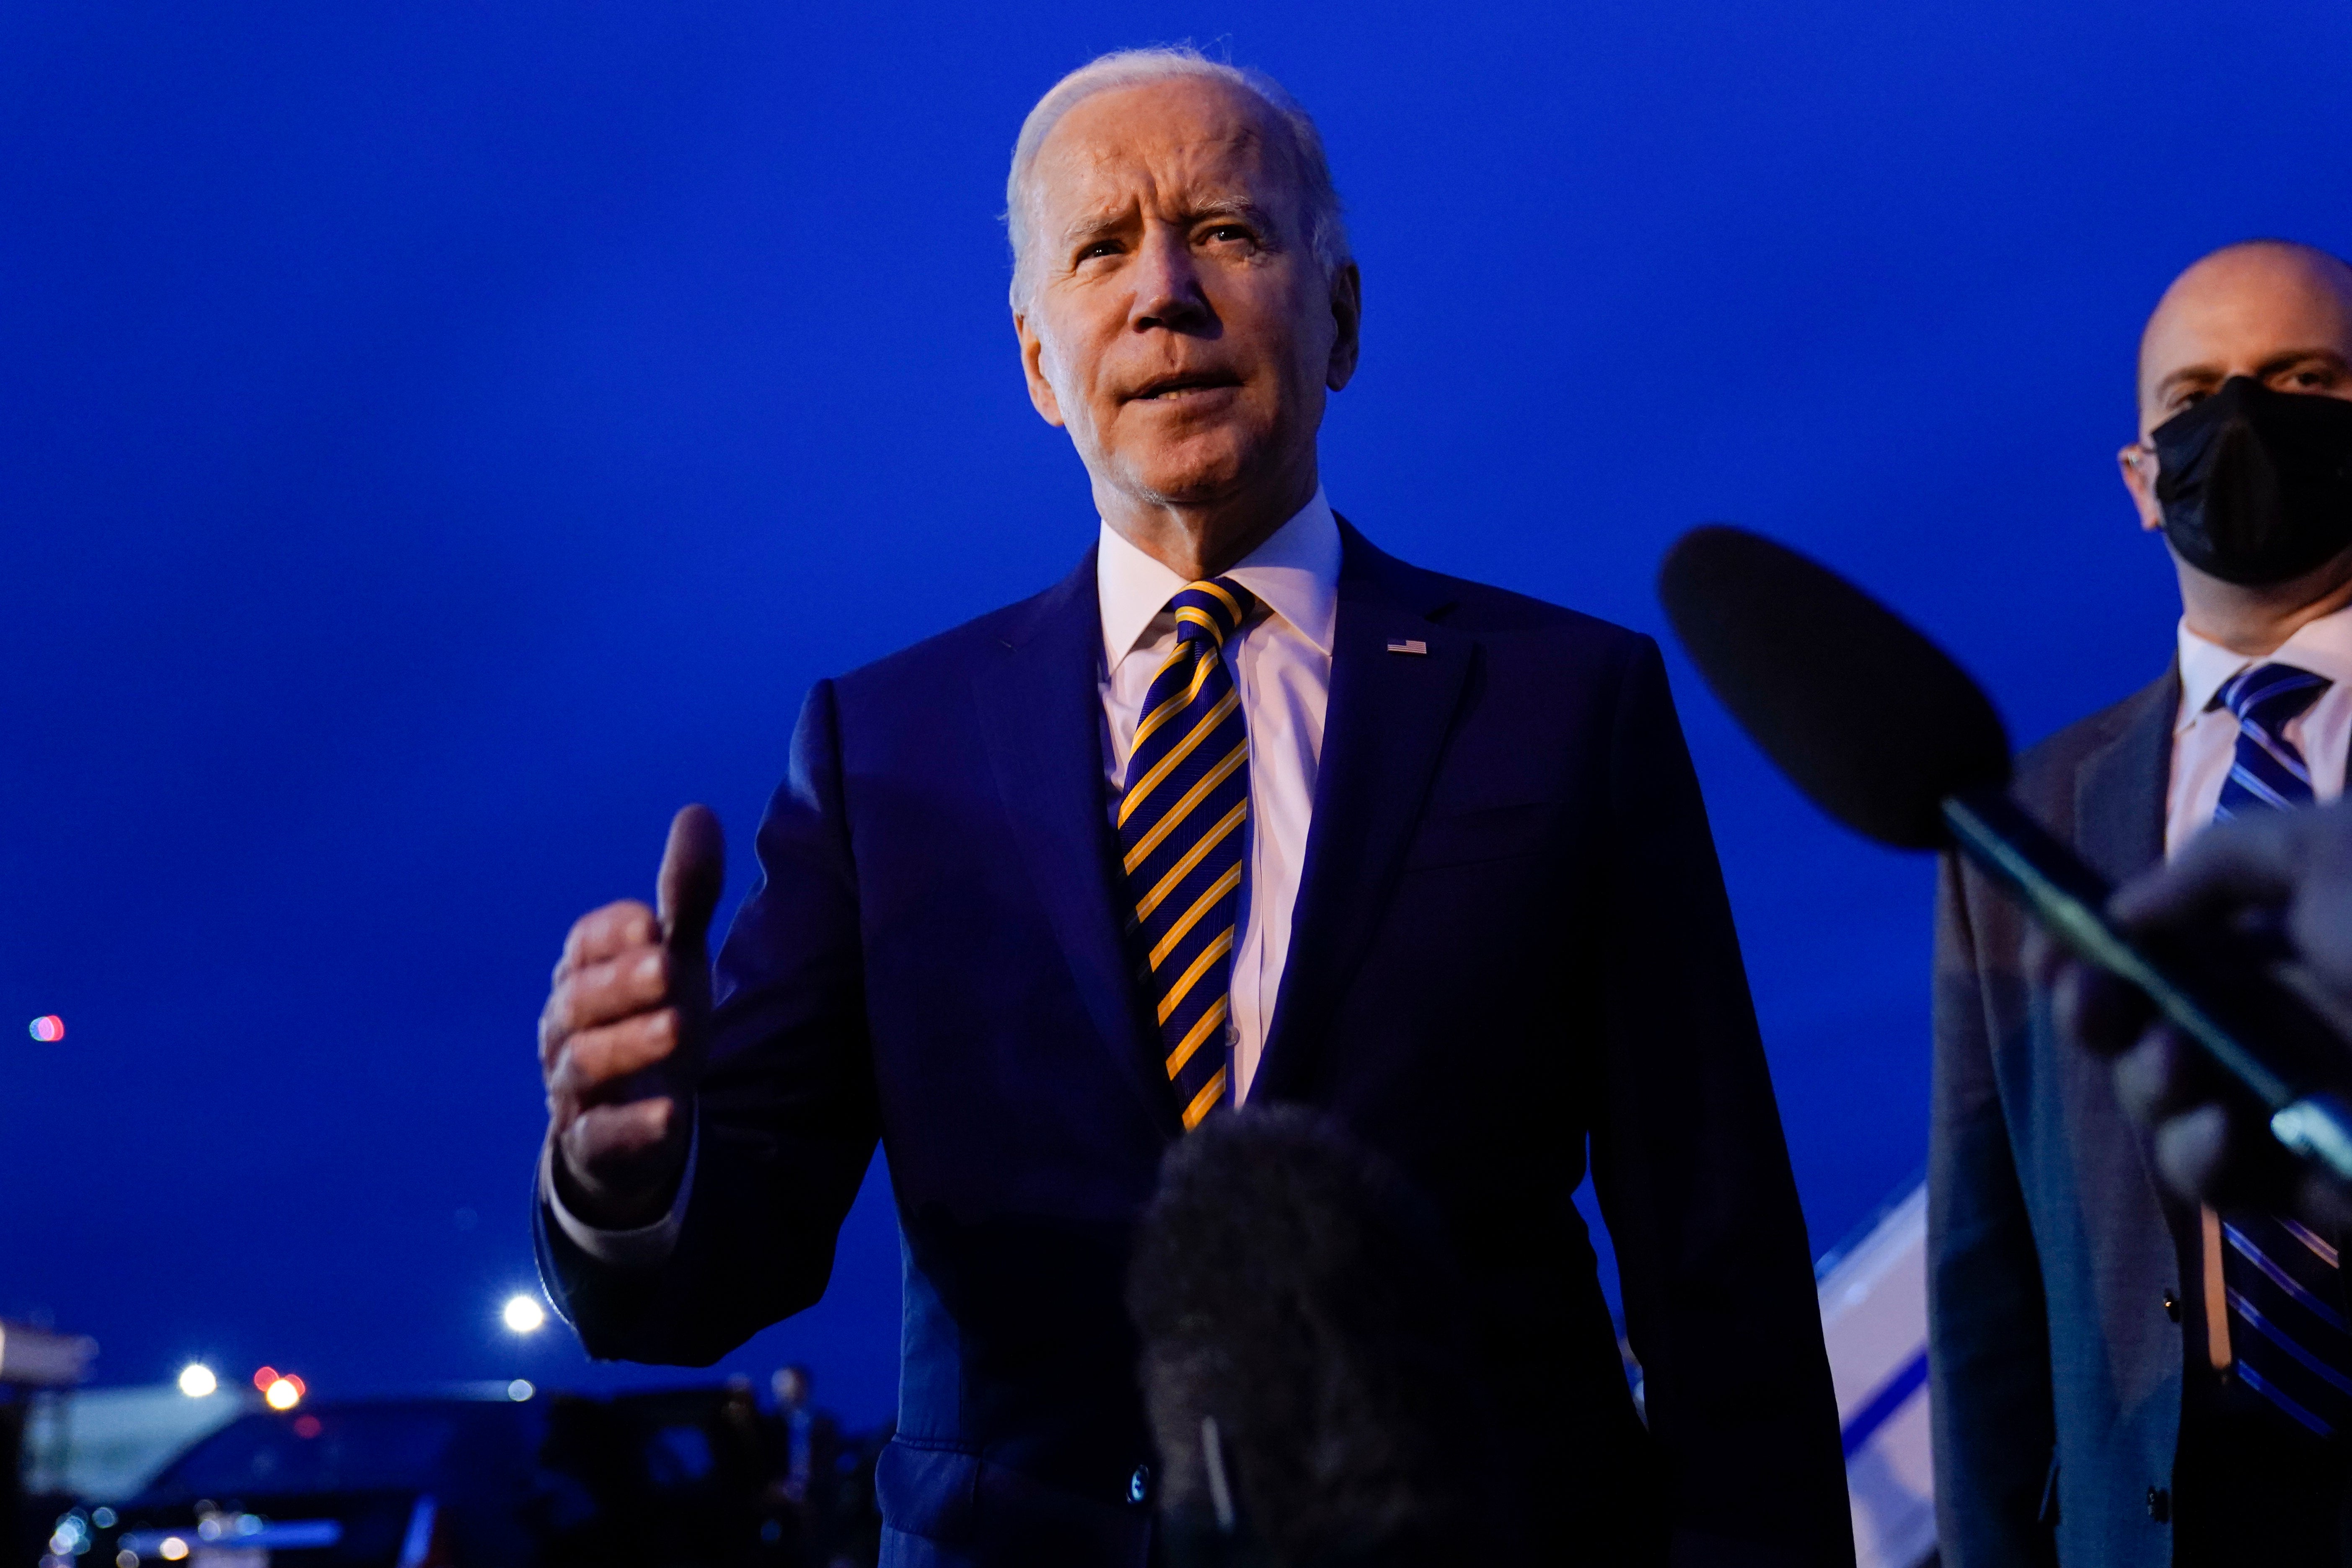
[
  {"x": 1483, "y": 608},
  {"x": 1479, "y": 608}
]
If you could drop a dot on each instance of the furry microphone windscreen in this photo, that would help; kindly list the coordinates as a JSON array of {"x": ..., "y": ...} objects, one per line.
[{"x": 1300, "y": 1315}]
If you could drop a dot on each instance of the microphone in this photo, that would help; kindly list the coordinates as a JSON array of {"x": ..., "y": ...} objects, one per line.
[
  {"x": 1885, "y": 733},
  {"x": 1307, "y": 1369}
]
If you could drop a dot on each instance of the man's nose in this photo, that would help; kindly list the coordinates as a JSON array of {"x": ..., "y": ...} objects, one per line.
[{"x": 1167, "y": 291}]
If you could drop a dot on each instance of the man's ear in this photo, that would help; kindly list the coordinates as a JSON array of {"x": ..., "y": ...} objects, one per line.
[
  {"x": 1348, "y": 318},
  {"x": 1033, "y": 365},
  {"x": 2138, "y": 462}
]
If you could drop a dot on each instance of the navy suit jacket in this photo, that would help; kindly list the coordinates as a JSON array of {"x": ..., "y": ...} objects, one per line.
[{"x": 1511, "y": 938}]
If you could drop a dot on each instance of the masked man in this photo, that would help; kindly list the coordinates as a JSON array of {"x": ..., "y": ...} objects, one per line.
[{"x": 2120, "y": 1376}]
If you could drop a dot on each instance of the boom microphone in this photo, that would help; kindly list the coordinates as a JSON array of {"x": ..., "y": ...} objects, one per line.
[{"x": 1885, "y": 732}]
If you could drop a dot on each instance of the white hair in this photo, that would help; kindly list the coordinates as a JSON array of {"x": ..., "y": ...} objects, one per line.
[{"x": 1327, "y": 231}]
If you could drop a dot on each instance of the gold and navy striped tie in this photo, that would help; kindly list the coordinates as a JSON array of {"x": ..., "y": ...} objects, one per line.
[{"x": 1179, "y": 828}]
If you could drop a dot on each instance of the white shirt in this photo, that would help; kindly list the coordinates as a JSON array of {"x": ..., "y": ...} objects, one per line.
[
  {"x": 2204, "y": 744},
  {"x": 2205, "y": 738},
  {"x": 1281, "y": 664}
]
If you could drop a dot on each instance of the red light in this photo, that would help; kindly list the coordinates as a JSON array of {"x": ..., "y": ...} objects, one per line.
[
  {"x": 264, "y": 1378},
  {"x": 306, "y": 1426},
  {"x": 300, "y": 1387},
  {"x": 48, "y": 1027}
]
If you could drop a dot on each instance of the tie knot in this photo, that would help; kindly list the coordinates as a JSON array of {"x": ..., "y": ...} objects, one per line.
[
  {"x": 1215, "y": 607},
  {"x": 2270, "y": 694}
]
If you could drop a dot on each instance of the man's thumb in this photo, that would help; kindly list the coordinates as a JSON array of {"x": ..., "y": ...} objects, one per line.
[{"x": 693, "y": 870}]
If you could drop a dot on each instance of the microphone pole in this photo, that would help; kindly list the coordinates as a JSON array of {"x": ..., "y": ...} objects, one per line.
[{"x": 1883, "y": 730}]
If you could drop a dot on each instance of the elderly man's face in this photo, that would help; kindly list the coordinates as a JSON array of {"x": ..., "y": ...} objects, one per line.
[{"x": 1177, "y": 323}]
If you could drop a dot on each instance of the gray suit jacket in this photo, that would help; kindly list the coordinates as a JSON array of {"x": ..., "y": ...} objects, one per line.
[{"x": 2056, "y": 1366}]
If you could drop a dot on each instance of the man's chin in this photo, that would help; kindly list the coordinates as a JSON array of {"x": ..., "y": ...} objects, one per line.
[{"x": 1194, "y": 473}]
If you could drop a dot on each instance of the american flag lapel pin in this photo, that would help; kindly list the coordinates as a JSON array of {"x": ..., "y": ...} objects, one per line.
[{"x": 1408, "y": 645}]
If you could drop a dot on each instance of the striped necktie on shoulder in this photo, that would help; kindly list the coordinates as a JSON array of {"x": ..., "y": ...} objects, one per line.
[{"x": 1181, "y": 833}]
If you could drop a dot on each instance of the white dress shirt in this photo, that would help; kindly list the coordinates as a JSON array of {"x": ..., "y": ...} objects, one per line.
[
  {"x": 1281, "y": 664},
  {"x": 2205, "y": 737},
  {"x": 2204, "y": 744}
]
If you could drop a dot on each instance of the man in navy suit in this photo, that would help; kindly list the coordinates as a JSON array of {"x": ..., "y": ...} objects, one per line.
[{"x": 1243, "y": 808}]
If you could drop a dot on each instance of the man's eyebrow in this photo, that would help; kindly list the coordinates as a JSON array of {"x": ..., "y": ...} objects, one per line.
[
  {"x": 2185, "y": 374},
  {"x": 1086, "y": 230},
  {"x": 2293, "y": 357},
  {"x": 1104, "y": 226},
  {"x": 1229, "y": 206},
  {"x": 2285, "y": 359}
]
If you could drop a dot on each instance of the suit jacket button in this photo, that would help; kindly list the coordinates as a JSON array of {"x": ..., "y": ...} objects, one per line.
[
  {"x": 1138, "y": 1484},
  {"x": 2172, "y": 1306},
  {"x": 2159, "y": 1504}
]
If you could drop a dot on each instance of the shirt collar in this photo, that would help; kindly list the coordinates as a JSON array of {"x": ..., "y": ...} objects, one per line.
[
  {"x": 1295, "y": 573},
  {"x": 2323, "y": 647}
]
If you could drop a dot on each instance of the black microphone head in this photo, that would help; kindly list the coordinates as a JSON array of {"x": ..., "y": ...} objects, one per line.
[
  {"x": 1307, "y": 1366},
  {"x": 1872, "y": 720}
]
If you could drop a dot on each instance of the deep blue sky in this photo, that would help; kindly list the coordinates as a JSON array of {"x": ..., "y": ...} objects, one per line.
[{"x": 438, "y": 441}]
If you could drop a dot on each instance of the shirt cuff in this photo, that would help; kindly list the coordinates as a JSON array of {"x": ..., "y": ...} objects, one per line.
[{"x": 639, "y": 1249}]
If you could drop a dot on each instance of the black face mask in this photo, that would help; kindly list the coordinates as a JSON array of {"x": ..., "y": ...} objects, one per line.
[{"x": 2256, "y": 485}]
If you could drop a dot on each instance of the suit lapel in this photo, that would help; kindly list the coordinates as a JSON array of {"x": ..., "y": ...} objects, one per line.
[
  {"x": 2120, "y": 800},
  {"x": 1041, "y": 710},
  {"x": 1383, "y": 733},
  {"x": 2119, "y": 789}
]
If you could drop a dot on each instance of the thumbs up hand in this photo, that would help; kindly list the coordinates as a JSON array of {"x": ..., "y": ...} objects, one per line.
[{"x": 622, "y": 1038}]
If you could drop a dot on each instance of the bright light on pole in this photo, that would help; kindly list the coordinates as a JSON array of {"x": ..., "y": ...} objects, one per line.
[
  {"x": 196, "y": 1379},
  {"x": 523, "y": 1314}
]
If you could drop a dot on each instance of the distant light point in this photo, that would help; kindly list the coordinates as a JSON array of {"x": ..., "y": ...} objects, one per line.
[
  {"x": 48, "y": 1029},
  {"x": 523, "y": 1314},
  {"x": 520, "y": 1390},
  {"x": 283, "y": 1395},
  {"x": 198, "y": 1382}
]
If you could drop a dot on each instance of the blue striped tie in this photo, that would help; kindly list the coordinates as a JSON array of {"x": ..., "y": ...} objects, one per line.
[
  {"x": 1179, "y": 828},
  {"x": 2268, "y": 772},
  {"x": 2287, "y": 1331}
]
